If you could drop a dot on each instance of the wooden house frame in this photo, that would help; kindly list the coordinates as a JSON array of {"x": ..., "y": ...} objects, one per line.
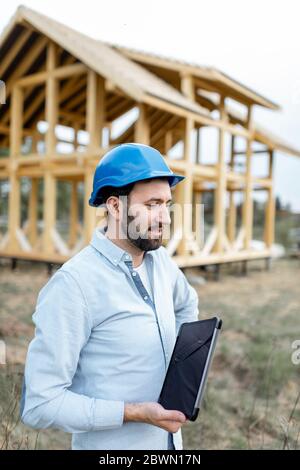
[{"x": 57, "y": 75}]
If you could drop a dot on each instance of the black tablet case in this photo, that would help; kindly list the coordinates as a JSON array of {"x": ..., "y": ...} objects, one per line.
[{"x": 186, "y": 367}]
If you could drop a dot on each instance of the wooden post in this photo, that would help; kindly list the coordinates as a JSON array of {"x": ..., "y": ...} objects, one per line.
[
  {"x": 51, "y": 111},
  {"x": 198, "y": 218},
  {"x": 35, "y": 140},
  {"x": 14, "y": 211},
  {"x": 198, "y": 145},
  {"x": 95, "y": 110},
  {"x": 14, "y": 203},
  {"x": 185, "y": 189},
  {"x": 49, "y": 206},
  {"x": 32, "y": 212},
  {"x": 270, "y": 208},
  {"x": 94, "y": 122},
  {"x": 16, "y": 121},
  {"x": 168, "y": 141},
  {"x": 73, "y": 215},
  {"x": 89, "y": 213},
  {"x": 247, "y": 215},
  {"x": 142, "y": 128},
  {"x": 75, "y": 141},
  {"x": 220, "y": 191},
  {"x": 231, "y": 228},
  {"x": 231, "y": 217}
]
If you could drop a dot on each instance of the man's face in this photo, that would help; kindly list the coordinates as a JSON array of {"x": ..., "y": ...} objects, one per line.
[{"x": 147, "y": 214}]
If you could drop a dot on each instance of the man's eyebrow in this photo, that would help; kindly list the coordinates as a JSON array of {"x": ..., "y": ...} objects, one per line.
[{"x": 152, "y": 199}]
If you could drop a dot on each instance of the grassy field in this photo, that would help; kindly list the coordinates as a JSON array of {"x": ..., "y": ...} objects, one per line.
[{"x": 253, "y": 391}]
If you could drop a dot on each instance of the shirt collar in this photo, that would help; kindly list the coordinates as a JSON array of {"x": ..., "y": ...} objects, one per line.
[{"x": 109, "y": 249}]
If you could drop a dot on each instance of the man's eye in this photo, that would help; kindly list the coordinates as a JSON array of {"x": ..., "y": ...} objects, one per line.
[{"x": 157, "y": 204}]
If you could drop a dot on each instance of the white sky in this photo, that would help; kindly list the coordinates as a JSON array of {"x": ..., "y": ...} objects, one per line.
[{"x": 256, "y": 42}]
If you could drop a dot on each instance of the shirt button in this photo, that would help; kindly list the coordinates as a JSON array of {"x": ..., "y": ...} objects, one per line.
[
  {"x": 146, "y": 297},
  {"x": 127, "y": 256},
  {"x": 134, "y": 274}
]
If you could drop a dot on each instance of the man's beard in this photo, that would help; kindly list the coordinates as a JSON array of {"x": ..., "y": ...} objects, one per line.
[{"x": 143, "y": 242}]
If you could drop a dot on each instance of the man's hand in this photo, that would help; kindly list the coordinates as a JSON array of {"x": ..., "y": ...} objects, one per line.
[{"x": 154, "y": 413}]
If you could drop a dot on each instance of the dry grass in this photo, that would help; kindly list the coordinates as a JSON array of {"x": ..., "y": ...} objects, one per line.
[{"x": 252, "y": 398}]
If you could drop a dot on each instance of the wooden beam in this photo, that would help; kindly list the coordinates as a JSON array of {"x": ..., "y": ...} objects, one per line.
[
  {"x": 231, "y": 228},
  {"x": 187, "y": 85},
  {"x": 198, "y": 145},
  {"x": 270, "y": 207},
  {"x": 142, "y": 128},
  {"x": 198, "y": 216},
  {"x": 40, "y": 97},
  {"x": 14, "y": 211},
  {"x": 72, "y": 87},
  {"x": 76, "y": 127},
  {"x": 33, "y": 212},
  {"x": 168, "y": 141},
  {"x": 159, "y": 122},
  {"x": 73, "y": 215},
  {"x": 49, "y": 179},
  {"x": 120, "y": 107},
  {"x": 247, "y": 215},
  {"x": 60, "y": 73},
  {"x": 68, "y": 89},
  {"x": 51, "y": 111},
  {"x": 16, "y": 112},
  {"x": 77, "y": 100},
  {"x": 70, "y": 70},
  {"x": 100, "y": 110},
  {"x": 14, "y": 50},
  {"x": 169, "y": 125},
  {"x": 185, "y": 190},
  {"x": 89, "y": 213},
  {"x": 204, "y": 120},
  {"x": 95, "y": 106},
  {"x": 49, "y": 207},
  {"x": 256, "y": 152},
  {"x": 14, "y": 203},
  {"x": 220, "y": 192},
  {"x": 26, "y": 63},
  {"x": 216, "y": 258}
]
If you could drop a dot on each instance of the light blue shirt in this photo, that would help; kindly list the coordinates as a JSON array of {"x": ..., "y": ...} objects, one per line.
[{"x": 100, "y": 342}]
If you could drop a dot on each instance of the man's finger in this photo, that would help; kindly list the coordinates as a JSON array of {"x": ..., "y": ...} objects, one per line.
[{"x": 173, "y": 415}]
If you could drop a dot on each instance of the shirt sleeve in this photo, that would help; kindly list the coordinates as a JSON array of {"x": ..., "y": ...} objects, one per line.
[{"x": 62, "y": 329}]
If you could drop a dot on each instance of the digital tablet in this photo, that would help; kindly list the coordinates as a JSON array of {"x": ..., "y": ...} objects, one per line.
[{"x": 187, "y": 373}]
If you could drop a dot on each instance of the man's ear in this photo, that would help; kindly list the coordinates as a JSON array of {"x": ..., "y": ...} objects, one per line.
[{"x": 113, "y": 207}]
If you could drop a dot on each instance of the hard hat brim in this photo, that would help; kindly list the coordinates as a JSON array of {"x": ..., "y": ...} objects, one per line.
[{"x": 174, "y": 179}]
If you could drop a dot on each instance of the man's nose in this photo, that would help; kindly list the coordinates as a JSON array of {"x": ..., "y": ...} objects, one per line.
[{"x": 164, "y": 216}]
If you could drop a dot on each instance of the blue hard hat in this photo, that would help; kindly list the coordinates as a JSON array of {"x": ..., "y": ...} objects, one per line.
[{"x": 129, "y": 163}]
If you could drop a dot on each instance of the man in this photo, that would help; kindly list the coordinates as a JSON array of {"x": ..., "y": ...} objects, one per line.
[{"x": 106, "y": 322}]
